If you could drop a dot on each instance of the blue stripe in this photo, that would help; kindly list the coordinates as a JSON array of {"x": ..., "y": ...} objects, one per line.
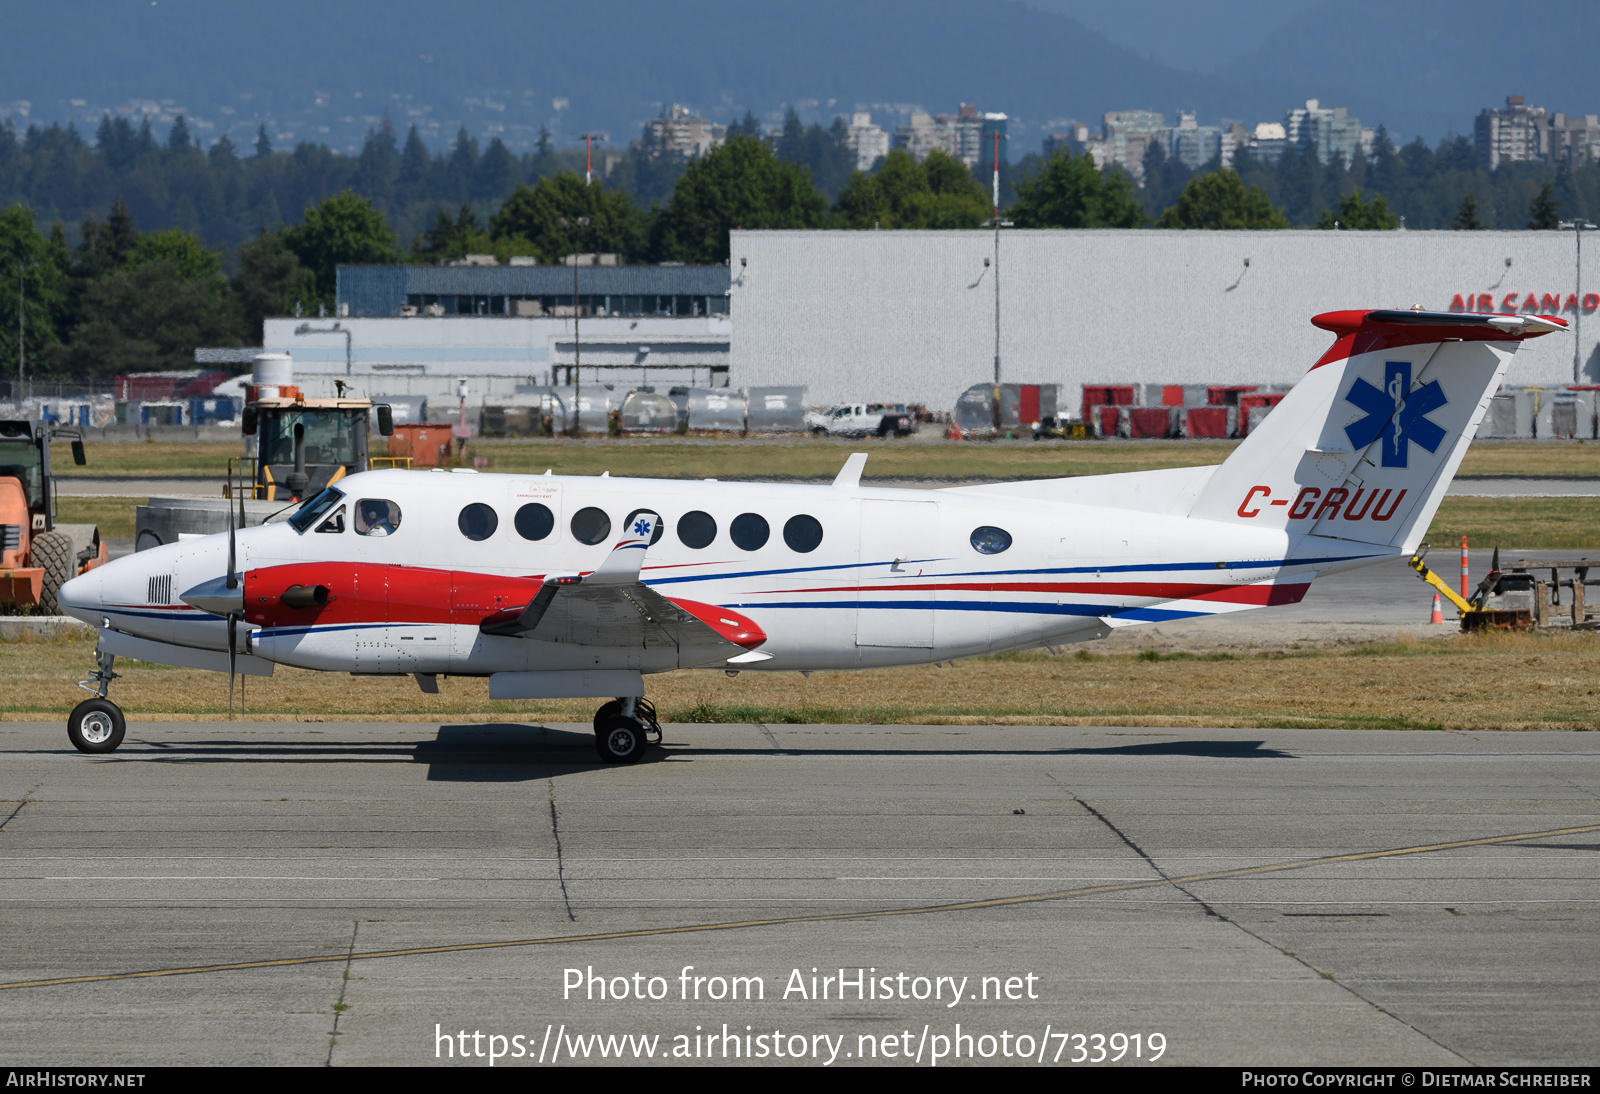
[
  {"x": 1142, "y": 567},
  {"x": 277, "y": 632},
  {"x": 955, "y": 606},
  {"x": 1158, "y": 615}
]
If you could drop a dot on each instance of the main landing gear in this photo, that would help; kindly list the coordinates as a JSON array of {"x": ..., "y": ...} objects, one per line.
[
  {"x": 97, "y": 725},
  {"x": 623, "y": 728}
]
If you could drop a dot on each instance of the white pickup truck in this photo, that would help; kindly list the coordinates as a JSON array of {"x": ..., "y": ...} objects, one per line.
[{"x": 863, "y": 419}]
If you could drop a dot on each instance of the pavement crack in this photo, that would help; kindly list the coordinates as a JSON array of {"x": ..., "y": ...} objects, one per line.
[
  {"x": 1213, "y": 913},
  {"x": 561, "y": 867},
  {"x": 340, "y": 1006},
  {"x": 26, "y": 799}
]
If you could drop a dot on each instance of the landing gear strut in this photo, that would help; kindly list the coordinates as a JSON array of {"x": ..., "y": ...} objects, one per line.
[
  {"x": 623, "y": 728},
  {"x": 97, "y": 725}
]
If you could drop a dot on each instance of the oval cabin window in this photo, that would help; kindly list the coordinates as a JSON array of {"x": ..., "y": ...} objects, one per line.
[
  {"x": 989, "y": 540},
  {"x": 478, "y": 521},
  {"x": 590, "y": 525},
  {"x": 749, "y": 531},
  {"x": 535, "y": 521}
]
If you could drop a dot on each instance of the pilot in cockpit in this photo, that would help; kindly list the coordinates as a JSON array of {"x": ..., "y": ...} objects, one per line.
[{"x": 377, "y": 518}]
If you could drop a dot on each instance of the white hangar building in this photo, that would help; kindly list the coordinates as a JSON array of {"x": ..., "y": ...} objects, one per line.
[{"x": 910, "y": 315}]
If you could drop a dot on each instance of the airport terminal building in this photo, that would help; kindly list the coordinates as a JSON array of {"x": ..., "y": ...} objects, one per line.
[{"x": 911, "y": 315}]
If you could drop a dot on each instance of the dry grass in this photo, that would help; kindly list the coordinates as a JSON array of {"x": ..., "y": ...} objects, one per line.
[
  {"x": 925, "y": 457},
  {"x": 1552, "y": 524},
  {"x": 1504, "y": 681}
]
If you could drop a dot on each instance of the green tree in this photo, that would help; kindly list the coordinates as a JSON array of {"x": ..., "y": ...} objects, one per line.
[
  {"x": 270, "y": 281},
  {"x": 529, "y": 221},
  {"x": 343, "y": 230},
  {"x": 148, "y": 317},
  {"x": 1071, "y": 193},
  {"x": 939, "y": 192},
  {"x": 1220, "y": 199},
  {"x": 31, "y": 266},
  {"x": 740, "y": 183},
  {"x": 1544, "y": 211},
  {"x": 1354, "y": 215},
  {"x": 186, "y": 251},
  {"x": 1466, "y": 219}
]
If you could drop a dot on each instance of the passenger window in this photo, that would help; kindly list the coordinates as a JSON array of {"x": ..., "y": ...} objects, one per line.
[
  {"x": 803, "y": 533},
  {"x": 749, "y": 531},
  {"x": 590, "y": 525},
  {"x": 377, "y": 517},
  {"x": 655, "y": 536},
  {"x": 334, "y": 523},
  {"x": 990, "y": 541},
  {"x": 478, "y": 521},
  {"x": 534, "y": 521},
  {"x": 696, "y": 530}
]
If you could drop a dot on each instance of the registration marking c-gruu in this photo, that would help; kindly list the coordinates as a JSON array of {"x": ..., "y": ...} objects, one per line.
[{"x": 876, "y": 913}]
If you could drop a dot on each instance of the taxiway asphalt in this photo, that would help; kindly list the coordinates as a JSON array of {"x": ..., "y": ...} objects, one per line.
[{"x": 1255, "y": 897}]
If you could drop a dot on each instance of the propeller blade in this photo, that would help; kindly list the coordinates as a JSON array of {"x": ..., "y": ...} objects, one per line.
[
  {"x": 233, "y": 630},
  {"x": 232, "y": 582}
]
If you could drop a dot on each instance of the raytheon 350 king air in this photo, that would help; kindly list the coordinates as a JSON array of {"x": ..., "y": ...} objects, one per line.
[{"x": 564, "y": 587}]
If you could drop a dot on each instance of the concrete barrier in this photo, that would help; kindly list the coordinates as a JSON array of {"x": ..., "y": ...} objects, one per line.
[{"x": 21, "y": 628}]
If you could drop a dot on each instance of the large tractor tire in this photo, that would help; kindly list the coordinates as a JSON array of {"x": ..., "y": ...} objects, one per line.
[{"x": 52, "y": 551}]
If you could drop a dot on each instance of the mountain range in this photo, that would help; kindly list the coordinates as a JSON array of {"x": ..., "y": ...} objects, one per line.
[{"x": 329, "y": 70}]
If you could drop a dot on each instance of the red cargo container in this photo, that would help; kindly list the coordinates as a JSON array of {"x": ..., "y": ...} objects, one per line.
[
  {"x": 1227, "y": 394},
  {"x": 1248, "y": 402},
  {"x": 1151, "y": 421},
  {"x": 1208, "y": 421},
  {"x": 1103, "y": 419},
  {"x": 1105, "y": 395},
  {"x": 427, "y": 445}
]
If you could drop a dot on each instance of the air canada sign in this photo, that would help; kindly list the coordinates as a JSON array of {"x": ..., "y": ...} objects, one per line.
[{"x": 1512, "y": 302}]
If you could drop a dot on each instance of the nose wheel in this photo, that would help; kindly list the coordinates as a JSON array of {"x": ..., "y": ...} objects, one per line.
[
  {"x": 97, "y": 725},
  {"x": 623, "y": 728}
]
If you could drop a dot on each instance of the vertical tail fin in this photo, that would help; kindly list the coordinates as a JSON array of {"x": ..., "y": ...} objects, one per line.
[{"x": 1364, "y": 447}]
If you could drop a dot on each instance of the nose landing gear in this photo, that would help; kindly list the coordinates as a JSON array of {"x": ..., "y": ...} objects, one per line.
[
  {"x": 623, "y": 728},
  {"x": 97, "y": 725}
]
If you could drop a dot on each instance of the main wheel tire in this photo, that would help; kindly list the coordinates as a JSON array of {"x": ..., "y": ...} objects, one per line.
[
  {"x": 620, "y": 740},
  {"x": 606, "y": 713},
  {"x": 96, "y": 725},
  {"x": 53, "y": 552}
]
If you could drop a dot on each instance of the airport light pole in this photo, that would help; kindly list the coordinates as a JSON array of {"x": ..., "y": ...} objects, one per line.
[
  {"x": 1577, "y": 226},
  {"x": 581, "y": 223},
  {"x": 588, "y": 140},
  {"x": 998, "y": 224},
  {"x": 22, "y": 325}
]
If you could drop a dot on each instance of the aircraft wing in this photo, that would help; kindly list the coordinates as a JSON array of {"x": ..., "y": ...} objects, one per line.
[{"x": 611, "y": 607}]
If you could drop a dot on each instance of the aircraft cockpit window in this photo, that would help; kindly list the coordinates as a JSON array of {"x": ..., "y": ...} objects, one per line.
[
  {"x": 803, "y": 533},
  {"x": 696, "y": 530},
  {"x": 749, "y": 531},
  {"x": 590, "y": 525},
  {"x": 313, "y": 508},
  {"x": 478, "y": 521},
  {"x": 535, "y": 521},
  {"x": 377, "y": 517},
  {"x": 990, "y": 541},
  {"x": 334, "y": 523}
]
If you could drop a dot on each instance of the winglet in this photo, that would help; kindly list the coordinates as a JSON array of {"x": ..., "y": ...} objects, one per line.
[
  {"x": 849, "y": 475},
  {"x": 621, "y": 566}
]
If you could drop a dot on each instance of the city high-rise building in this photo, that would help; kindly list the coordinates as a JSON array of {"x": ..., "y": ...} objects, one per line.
[
  {"x": 869, "y": 142},
  {"x": 1128, "y": 135},
  {"x": 1518, "y": 133},
  {"x": 1332, "y": 131},
  {"x": 1192, "y": 144},
  {"x": 922, "y": 133},
  {"x": 678, "y": 130}
]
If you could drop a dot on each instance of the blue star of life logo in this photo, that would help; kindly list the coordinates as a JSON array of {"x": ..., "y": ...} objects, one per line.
[
  {"x": 641, "y": 527},
  {"x": 1396, "y": 414}
]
